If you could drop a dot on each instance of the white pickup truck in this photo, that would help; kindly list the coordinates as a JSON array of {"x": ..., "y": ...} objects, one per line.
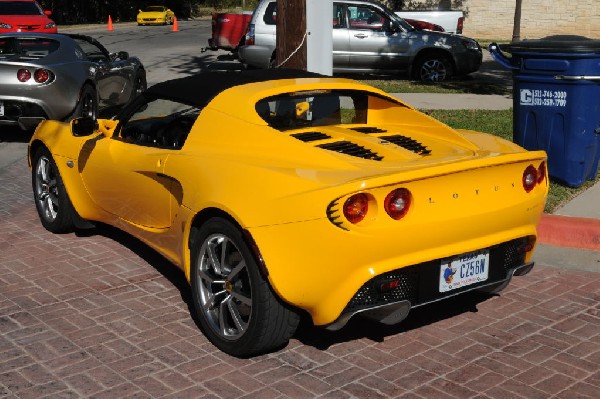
[{"x": 451, "y": 21}]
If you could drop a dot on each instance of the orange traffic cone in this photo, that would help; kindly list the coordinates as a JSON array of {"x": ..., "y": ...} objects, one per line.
[
  {"x": 175, "y": 28},
  {"x": 110, "y": 27}
]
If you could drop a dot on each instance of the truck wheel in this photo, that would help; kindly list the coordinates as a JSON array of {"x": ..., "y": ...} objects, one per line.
[{"x": 432, "y": 68}]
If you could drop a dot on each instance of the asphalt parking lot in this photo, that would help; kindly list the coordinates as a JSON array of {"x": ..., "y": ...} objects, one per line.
[{"x": 98, "y": 314}]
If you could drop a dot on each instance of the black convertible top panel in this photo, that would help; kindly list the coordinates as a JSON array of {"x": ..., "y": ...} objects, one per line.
[{"x": 198, "y": 90}]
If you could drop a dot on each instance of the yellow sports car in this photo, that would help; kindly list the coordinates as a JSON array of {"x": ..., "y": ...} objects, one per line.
[
  {"x": 283, "y": 192},
  {"x": 155, "y": 15}
]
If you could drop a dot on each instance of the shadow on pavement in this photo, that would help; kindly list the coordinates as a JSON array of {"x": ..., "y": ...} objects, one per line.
[
  {"x": 14, "y": 135},
  {"x": 317, "y": 337},
  {"x": 167, "y": 269}
]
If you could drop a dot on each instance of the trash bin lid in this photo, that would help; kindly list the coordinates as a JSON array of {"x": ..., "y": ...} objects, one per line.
[{"x": 569, "y": 44}]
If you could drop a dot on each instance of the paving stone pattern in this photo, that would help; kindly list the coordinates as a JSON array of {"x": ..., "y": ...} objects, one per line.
[{"x": 100, "y": 315}]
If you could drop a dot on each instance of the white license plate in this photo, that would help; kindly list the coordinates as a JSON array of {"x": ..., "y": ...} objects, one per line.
[
  {"x": 1, "y": 108},
  {"x": 462, "y": 270}
]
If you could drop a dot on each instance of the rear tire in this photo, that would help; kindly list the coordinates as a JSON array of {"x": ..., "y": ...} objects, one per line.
[
  {"x": 236, "y": 308},
  {"x": 88, "y": 103},
  {"x": 51, "y": 200}
]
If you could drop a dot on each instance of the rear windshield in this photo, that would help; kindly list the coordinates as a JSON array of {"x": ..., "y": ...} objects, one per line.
[
  {"x": 20, "y": 8},
  {"x": 314, "y": 108},
  {"x": 26, "y": 47}
]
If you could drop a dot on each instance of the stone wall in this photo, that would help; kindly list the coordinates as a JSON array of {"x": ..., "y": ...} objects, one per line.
[
  {"x": 493, "y": 19},
  {"x": 539, "y": 18}
]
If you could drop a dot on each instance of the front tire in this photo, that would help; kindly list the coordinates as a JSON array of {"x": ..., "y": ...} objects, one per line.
[
  {"x": 432, "y": 68},
  {"x": 51, "y": 200},
  {"x": 236, "y": 308}
]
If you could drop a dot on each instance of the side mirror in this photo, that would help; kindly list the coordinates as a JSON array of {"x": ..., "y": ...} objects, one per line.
[
  {"x": 48, "y": 13},
  {"x": 390, "y": 26},
  {"x": 84, "y": 126}
]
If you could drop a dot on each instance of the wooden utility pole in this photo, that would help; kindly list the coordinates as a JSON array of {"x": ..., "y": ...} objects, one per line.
[{"x": 291, "y": 34}]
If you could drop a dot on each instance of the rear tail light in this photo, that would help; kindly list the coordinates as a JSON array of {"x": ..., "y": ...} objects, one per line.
[
  {"x": 397, "y": 203},
  {"x": 23, "y": 75},
  {"x": 533, "y": 176},
  {"x": 541, "y": 172},
  {"x": 530, "y": 178},
  {"x": 356, "y": 207},
  {"x": 41, "y": 75},
  {"x": 459, "y": 25},
  {"x": 250, "y": 36}
]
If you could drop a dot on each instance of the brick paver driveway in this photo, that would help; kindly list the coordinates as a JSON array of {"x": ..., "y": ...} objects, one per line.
[{"x": 100, "y": 315}]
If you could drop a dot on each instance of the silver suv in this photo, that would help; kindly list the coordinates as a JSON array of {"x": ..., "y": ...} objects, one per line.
[{"x": 369, "y": 38}]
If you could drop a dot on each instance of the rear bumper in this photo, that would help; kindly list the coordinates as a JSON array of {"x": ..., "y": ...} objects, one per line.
[
  {"x": 418, "y": 286},
  {"x": 255, "y": 56},
  {"x": 20, "y": 113}
]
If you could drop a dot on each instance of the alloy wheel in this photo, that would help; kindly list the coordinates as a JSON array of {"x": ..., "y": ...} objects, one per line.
[
  {"x": 433, "y": 70},
  {"x": 223, "y": 284},
  {"x": 46, "y": 189}
]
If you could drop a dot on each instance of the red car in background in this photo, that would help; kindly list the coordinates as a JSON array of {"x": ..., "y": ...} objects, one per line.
[
  {"x": 25, "y": 16},
  {"x": 420, "y": 25}
]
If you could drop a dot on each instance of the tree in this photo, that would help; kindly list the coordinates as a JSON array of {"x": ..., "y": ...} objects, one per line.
[{"x": 516, "y": 37}]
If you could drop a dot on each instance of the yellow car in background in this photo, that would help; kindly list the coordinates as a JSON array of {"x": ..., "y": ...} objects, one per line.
[
  {"x": 155, "y": 15},
  {"x": 282, "y": 192}
]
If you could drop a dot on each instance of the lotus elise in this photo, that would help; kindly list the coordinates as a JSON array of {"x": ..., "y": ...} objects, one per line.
[
  {"x": 281, "y": 193},
  {"x": 55, "y": 76}
]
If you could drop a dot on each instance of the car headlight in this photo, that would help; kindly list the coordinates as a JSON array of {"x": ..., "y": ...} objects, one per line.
[
  {"x": 50, "y": 25},
  {"x": 471, "y": 44},
  {"x": 4, "y": 25}
]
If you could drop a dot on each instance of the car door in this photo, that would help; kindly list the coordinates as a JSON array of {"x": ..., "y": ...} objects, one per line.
[
  {"x": 125, "y": 175},
  {"x": 372, "y": 45},
  {"x": 113, "y": 76},
  {"x": 341, "y": 41},
  {"x": 126, "y": 180}
]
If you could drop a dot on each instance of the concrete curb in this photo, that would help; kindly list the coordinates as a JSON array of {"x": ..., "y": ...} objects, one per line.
[{"x": 568, "y": 231}]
